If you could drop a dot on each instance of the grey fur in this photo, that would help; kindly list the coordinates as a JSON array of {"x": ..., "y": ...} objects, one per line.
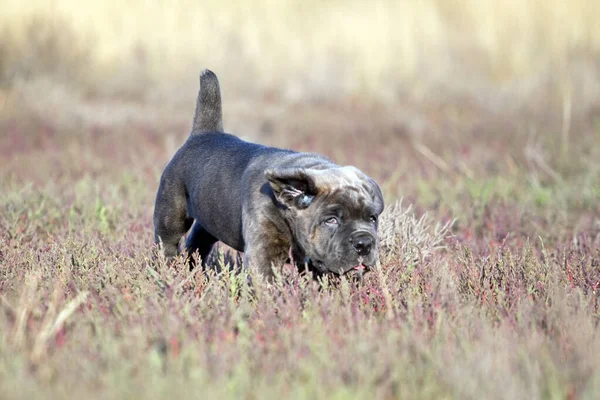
[
  {"x": 209, "y": 115},
  {"x": 264, "y": 201}
]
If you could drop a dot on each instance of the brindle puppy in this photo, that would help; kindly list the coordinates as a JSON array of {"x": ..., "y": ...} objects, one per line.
[{"x": 267, "y": 202}]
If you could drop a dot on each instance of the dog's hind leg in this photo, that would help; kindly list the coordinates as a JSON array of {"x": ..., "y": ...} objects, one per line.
[
  {"x": 199, "y": 239},
  {"x": 171, "y": 219}
]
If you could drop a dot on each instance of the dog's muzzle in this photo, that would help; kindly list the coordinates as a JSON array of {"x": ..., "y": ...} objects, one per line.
[{"x": 362, "y": 243}]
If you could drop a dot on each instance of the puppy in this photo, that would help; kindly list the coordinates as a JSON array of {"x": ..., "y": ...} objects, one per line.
[{"x": 272, "y": 204}]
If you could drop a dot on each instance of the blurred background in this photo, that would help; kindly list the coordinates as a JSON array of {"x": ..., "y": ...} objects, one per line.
[{"x": 500, "y": 53}]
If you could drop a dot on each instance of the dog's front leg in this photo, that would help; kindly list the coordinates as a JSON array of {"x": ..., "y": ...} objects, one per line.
[{"x": 263, "y": 255}]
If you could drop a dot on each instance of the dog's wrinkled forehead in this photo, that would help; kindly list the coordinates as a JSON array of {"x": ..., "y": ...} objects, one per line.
[
  {"x": 348, "y": 182},
  {"x": 333, "y": 179}
]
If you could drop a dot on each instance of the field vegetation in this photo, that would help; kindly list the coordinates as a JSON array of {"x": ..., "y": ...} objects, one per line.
[{"x": 480, "y": 120}]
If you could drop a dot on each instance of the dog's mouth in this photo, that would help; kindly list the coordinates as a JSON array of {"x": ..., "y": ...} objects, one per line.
[
  {"x": 360, "y": 267},
  {"x": 357, "y": 270}
]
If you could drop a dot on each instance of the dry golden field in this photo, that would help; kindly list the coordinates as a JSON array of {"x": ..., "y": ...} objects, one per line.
[{"x": 310, "y": 48}]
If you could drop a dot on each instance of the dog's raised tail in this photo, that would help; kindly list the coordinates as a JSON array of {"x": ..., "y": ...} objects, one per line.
[{"x": 209, "y": 115}]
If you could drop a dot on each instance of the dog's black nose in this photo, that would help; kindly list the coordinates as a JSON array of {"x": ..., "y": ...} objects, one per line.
[{"x": 362, "y": 244}]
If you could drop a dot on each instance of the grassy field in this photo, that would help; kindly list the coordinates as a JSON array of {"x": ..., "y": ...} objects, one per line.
[{"x": 490, "y": 264}]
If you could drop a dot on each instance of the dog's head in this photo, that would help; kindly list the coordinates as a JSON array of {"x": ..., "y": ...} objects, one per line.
[{"x": 333, "y": 214}]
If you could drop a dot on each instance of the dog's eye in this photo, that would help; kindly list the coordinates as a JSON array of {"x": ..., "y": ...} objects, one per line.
[
  {"x": 331, "y": 221},
  {"x": 373, "y": 218}
]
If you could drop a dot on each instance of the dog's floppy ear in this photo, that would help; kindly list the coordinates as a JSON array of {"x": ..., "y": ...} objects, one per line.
[
  {"x": 377, "y": 194},
  {"x": 293, "y": 187}
]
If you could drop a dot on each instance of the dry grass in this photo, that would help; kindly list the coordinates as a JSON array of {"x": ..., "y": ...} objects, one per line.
[
  {"x": 490, "y": 267},
  {"x": 504, "y": 305},
  {"x": 311, "y": 49}
]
